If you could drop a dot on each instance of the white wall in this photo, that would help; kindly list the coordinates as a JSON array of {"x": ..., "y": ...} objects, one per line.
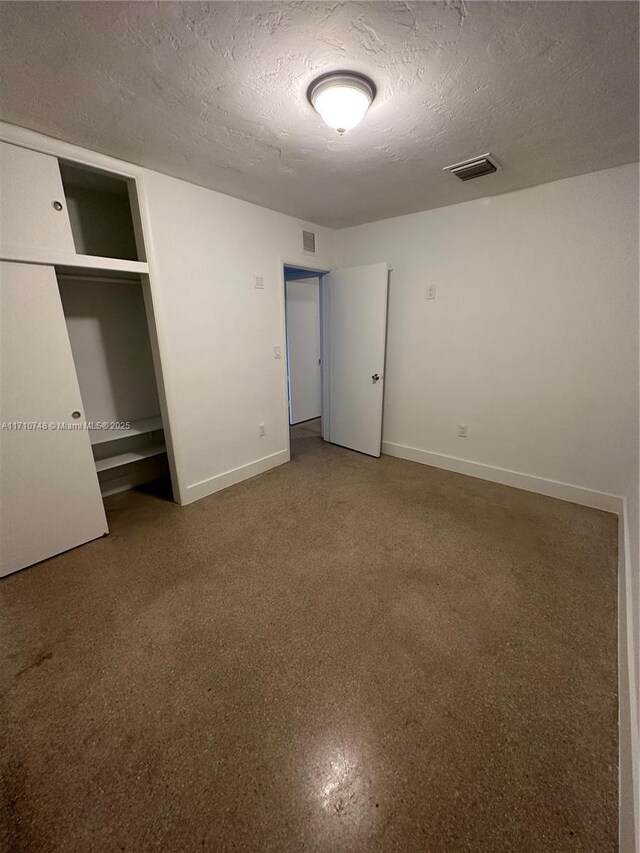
[
  {"x": 532, "y": 341},
  {"x": 218, "y": 331},
  {"x": 303, "y": 349},
  {"x": 629, "y": 663}
]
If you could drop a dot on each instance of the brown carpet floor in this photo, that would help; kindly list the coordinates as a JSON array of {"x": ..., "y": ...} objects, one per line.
[{"x": 344, "y": 654}]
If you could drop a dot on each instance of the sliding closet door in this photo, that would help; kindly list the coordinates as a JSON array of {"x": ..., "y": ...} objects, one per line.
[
  {"x": 34, "y": 221},
  {"x": 50, "y": 497}
]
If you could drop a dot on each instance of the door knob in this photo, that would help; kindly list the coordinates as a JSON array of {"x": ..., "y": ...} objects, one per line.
[{"x": 375, "y": 377}]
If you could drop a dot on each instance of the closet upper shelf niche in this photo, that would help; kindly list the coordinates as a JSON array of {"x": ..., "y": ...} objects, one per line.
[
  {"x": 38, "y": 210},
  {"x": 100, "y": 212}
]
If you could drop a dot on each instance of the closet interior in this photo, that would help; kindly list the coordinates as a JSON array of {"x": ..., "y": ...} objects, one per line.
[
  {"x": 99, "y": 209},
  {"x": 109, "y": 336},
  {"x": 108, "y": 331}
]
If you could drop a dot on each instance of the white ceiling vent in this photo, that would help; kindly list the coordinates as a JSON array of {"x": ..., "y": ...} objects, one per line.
[
  {"x": 309, "y": 242},
  {"x": 467, "y": 170}
]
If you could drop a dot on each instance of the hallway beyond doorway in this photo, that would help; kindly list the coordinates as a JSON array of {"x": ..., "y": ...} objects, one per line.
[{"x": 305, "y": 436}]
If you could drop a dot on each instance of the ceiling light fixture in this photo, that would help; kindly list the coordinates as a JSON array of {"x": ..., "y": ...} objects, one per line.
[{"x": 342, "y": 98}]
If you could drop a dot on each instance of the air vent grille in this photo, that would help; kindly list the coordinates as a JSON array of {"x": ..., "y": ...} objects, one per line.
[
  {"x": 467, "y": 170},
  {"x": 309, "y": 242}
]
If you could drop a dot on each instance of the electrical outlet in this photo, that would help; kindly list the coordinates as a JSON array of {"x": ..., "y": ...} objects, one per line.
[
  {"x": 277, "y": 352},
  {"x": 261, "y": 429},
  {"x": 431, "y": 291},
  {"x": 462, "y": 430},
  {"x": 258, "y": 282}
]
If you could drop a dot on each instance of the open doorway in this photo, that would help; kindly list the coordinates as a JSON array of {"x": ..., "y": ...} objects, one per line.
[
  {"x": 335, "y": 326},
  {"x": 303, "y": 302}
]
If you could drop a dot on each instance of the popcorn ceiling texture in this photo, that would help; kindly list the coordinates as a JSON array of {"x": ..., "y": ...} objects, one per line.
[{"x": 215, "y": 93}]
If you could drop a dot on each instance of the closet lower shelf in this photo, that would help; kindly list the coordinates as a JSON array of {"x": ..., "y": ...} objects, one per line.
[{"x": 131, "y": 456}]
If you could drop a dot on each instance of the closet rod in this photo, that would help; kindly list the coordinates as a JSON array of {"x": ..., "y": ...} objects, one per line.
[{"x": 104, "y": 278}]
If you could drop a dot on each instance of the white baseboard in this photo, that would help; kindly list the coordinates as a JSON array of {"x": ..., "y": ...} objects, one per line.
[
  {"x": 237, "y": 475},
  {"x": 527, "y": 482}
]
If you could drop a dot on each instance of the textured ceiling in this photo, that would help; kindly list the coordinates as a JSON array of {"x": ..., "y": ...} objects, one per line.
[{"x": 215, "y": 93}]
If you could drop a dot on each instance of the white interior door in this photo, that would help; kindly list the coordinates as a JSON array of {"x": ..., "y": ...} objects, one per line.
[
  {"x": 355, "y": 313},
  {"x": 303, "y": 349},
  {"x": 49, "y": 488}
]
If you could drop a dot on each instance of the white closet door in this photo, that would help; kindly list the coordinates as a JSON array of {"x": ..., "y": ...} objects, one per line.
[
  {"x": 31, "y": 227},
  {"x": 356, "y": 316},
  {"x": 49, "y": 490}
]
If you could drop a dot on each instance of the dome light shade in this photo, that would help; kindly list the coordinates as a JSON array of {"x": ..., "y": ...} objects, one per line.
[{"x": 342, "y": 98}]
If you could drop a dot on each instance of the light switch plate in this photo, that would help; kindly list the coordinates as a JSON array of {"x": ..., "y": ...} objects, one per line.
[
  {"x": 258, "y": 282},
  {"x": 431, "y": 291}
]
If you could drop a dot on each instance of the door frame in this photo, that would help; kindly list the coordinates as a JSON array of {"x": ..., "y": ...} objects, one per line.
[{"x": 314, "y": 272}]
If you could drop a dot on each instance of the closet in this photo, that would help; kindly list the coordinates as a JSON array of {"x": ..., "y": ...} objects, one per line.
[
  {"x": 81, "y": 402},
  {"x": 107, "y": 327}
]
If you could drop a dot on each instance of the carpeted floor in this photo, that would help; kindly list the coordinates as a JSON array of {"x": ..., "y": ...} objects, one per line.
[{"x": 344, "y": 654}]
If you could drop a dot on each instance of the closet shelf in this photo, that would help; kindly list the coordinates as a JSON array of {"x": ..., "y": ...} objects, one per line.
[
  {"x": 92, "y": 265},
  {"x": 93, "y": 262},
  {"x": 131, "y": 456},
  {"x": 100, "y": 436},
  {"x": 68, "y": 262}
]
